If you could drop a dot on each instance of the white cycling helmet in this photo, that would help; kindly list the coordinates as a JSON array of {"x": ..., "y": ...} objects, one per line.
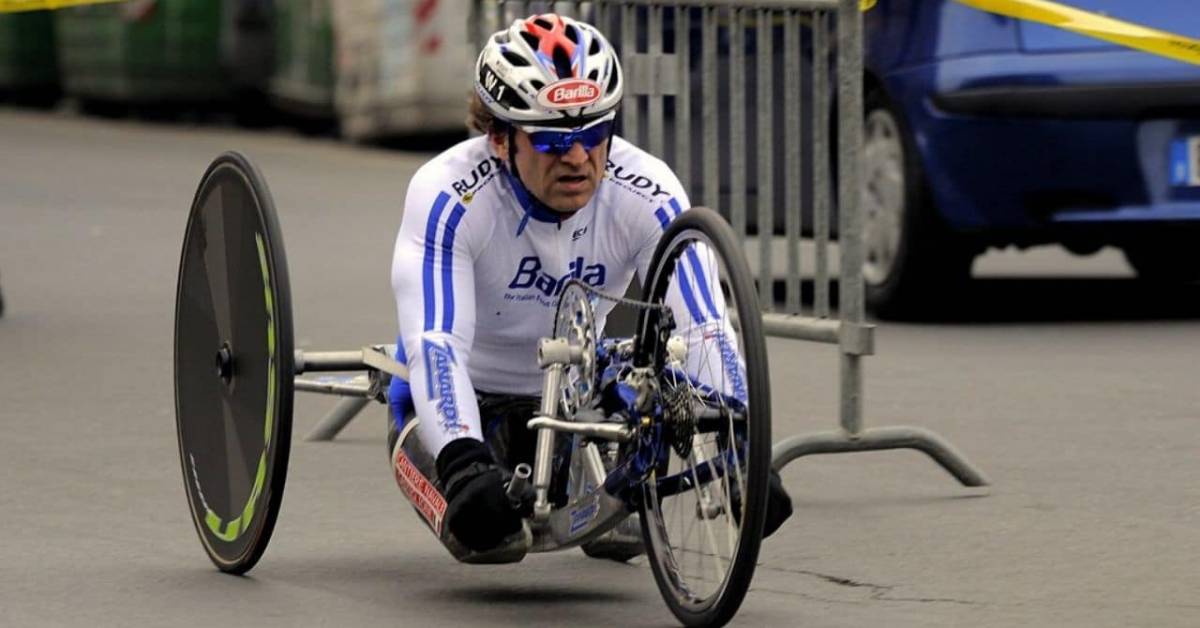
[{"x": 548, "y": 70}]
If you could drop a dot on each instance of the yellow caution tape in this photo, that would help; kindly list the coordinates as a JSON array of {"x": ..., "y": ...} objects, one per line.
[
  {"x": 12, "y": 6},
  {"x": 1089, "y": 24}
]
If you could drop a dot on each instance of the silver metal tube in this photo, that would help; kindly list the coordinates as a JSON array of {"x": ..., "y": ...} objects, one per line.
[
  {"x": 850, "y": 285},
  {"x": 737, "y": 122},
  {"x": 630, "y": 120},
  {"x": 791, "y": 160},
  {"x": 543, "y": 457},
  {"x": 338, "y": 418},
  {"x": 593, "y": 465},
  {"x": 820, "y": 168},
  {"x": 710, "y": 87},
  {"x": 683, "y": 100},
  {"x": 766, "y": 159},
  {"x": 878, "y": 439},
  {"x": 607, "y": 431},
  {"x": 801, "y": 328},
  {"x": 516, "y": 486},
  {"x": 654, "y": 101},
  {"x": 344, "y": 389},
  {"x": 314, "y": 361}
]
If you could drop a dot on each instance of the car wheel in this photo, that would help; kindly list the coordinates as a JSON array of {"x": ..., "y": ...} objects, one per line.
[
  {"x": 912, "y": 260},
  {"x": 1172, "y": 258}
]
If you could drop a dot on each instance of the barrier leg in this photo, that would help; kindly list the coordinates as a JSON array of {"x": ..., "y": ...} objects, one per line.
[
  {"x": 878, "y": 439},
  {"x": 338, "y": 418}
]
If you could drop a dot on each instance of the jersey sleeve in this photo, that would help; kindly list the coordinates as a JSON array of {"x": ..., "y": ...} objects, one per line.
[
  {"x": 697, "y": 303},
  {"x": 434, "y": 283}
]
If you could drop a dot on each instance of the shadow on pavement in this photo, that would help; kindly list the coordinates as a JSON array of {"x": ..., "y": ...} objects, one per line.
[
  {"x": 1058, "y": 299},
  {"x": 1047, "y": 299},
  {"x": 533, "y": 596}
]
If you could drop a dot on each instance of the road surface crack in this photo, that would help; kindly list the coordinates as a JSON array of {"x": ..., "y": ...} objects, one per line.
[{"x": 877, "y": 591}]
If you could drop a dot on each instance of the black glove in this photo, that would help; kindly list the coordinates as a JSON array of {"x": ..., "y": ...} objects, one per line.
[{"x": 478, "y": 512}]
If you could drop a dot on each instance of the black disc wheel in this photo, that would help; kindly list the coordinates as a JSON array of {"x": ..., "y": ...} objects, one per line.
[
  {"x": 233, "y": 363},
  {"x": 703, "y": 506}
]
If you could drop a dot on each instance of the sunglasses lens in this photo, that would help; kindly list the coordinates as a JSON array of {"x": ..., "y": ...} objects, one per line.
[{"x": 560, "y": 142}]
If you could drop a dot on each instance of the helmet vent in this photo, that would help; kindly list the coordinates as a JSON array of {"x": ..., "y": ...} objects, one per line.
[
  {"x": 515, "y": 59},
  {"x": 614, "y": 83},
  {"x": 544, "y": 23},
  {"x": 537, "y": 85},
  {"x": 562, "y": 63},
  {"x": 594, "y": 75},
  {"x": 572, "y": 34},
  {"x": 594, "y": 49},
  {"x": 530, "y": 39}
]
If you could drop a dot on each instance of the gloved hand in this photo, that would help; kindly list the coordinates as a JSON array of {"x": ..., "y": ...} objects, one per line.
[{"x": 478, "y": 512}]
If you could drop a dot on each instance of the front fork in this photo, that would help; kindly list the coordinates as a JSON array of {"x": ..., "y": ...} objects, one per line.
[
  {"x": 554, "y": 355},
  {"x": 543, "y": 456}
]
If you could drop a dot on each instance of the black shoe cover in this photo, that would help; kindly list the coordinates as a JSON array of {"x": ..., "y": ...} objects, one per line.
[{"x": 478, "y": 512}]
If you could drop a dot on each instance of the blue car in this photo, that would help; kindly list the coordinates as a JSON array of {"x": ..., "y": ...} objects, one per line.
[{"x": 987, "y": 131}]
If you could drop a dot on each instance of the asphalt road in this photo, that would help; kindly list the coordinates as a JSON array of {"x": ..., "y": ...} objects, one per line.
[{"x": 1072, "y": 386}]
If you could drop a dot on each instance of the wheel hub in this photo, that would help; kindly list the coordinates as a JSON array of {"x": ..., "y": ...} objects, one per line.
[{"x": 224, "y": 363}]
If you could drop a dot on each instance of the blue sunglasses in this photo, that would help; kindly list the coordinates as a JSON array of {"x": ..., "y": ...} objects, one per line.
[{"x": 560, "y": 142}]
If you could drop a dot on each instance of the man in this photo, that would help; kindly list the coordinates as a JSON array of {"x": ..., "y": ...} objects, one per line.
[{"x": 492, "y": 228}]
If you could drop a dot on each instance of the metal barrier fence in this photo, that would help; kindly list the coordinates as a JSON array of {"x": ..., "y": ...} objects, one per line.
[{"x": 735, "y": 95}]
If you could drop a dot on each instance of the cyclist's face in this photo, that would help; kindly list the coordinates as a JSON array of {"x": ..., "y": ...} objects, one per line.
[{"x": 563, "y": 182}]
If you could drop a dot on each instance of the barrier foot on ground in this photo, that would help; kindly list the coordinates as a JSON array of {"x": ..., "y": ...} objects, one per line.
[{"x": 878, "y": 439}]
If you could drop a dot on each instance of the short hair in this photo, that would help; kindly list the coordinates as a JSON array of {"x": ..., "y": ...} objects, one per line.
[{"x": 481, "y": 119}]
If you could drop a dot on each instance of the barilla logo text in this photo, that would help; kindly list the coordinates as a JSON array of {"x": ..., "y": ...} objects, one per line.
[
  {"x": 569, "y": 93},
  {"x": 440, "y": 386}
]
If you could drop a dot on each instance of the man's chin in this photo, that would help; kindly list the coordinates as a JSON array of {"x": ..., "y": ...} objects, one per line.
[{"x": 570, "y": 202}]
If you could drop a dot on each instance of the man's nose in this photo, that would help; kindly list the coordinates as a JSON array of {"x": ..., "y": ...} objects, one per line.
[{"x": 576, "y": 156}]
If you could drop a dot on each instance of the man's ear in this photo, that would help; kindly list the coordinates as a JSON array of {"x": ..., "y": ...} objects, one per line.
[{"x": 499, "y": 142}]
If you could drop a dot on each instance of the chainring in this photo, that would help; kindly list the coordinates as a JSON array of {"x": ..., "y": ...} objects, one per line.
[{"x": 575, "y": 321}]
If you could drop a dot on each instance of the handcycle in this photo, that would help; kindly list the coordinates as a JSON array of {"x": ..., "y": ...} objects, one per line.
[{"x": 672, "y": 424}]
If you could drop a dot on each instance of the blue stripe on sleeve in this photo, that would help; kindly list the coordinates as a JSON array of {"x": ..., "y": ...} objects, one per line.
[
  {"x": 698, "y": 275},
  {"x": 688, "y": 296},
  {"x": 401, "y": 357},
  {"x": 448, "y": 266},
  {"x": 430, "y": 236},
  {"x": 685, "y": 286},
  {"x": 663, "y": 219}
]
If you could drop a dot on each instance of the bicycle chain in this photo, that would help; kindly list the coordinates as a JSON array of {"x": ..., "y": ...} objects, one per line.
[{"x": 633, "y": 303}]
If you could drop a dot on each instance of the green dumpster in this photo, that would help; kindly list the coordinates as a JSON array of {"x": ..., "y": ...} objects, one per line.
[
  {"x": 303, "y": 80},
  {"x": 145, "y": 51},
  {"x": 28, "y": 70}
]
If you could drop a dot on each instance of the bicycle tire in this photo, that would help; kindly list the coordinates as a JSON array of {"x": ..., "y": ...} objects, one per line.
[
  {"x": 234, "y": 365},
  {"x": 678, "y": 246}
]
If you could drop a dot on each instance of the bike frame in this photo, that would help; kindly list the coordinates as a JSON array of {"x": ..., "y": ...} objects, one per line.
[{"x": 598, "y": 500}]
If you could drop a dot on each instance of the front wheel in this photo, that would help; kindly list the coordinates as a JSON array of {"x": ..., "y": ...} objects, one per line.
[{"x": 703, "y": 506}]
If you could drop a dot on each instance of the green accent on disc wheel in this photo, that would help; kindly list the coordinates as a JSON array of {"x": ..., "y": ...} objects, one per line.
[{"x": 234, "y": 528}]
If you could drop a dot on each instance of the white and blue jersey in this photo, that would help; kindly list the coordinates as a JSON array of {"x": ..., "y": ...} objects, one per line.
[{"x": 478, "y": 269}]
